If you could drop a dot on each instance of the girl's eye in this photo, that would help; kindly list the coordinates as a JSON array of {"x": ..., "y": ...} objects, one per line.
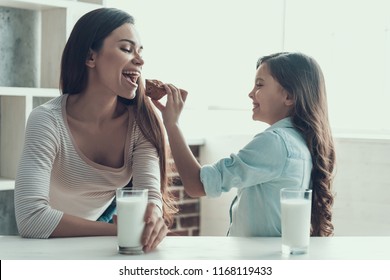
[{"x": 259, "y": 85}]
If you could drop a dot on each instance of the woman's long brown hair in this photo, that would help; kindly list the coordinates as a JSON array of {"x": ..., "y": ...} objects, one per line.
[
  {"x": 301, "y": 76},
  {"x": 88, "y": 34},
  {"x": 152, "y": 128}
]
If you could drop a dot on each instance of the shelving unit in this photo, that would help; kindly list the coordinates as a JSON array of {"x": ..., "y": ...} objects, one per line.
[{"x": 57, "y": 18}]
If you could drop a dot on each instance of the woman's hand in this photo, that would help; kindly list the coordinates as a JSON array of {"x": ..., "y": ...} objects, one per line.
[
  {"x": 155, "y": 228},
  {"x": 175, "y": 102}
]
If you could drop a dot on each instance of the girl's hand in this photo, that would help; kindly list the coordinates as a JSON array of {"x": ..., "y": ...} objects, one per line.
[
  {"x": 175, "y": 102},
  {"x": 155, "y": 228}
]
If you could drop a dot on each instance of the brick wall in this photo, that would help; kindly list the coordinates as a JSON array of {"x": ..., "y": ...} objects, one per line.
[{"x": 187, "y": 220}]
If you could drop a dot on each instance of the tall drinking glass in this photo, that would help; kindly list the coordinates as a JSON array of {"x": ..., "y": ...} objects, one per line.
[
  {"x": 296, "y": 216},
  {"x": 131, "y": 206}
]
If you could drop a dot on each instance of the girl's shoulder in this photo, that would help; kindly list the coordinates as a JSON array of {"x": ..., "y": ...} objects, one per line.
[
  {"x": 279, "y": 129},
  {"x": 285, "y": 130},
  {"x": 292, "y": 140},
  {"x": 282, "y": 137}
]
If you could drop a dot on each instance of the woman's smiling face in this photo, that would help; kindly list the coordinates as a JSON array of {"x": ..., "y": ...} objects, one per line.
[{"x": 117, "y": 65}]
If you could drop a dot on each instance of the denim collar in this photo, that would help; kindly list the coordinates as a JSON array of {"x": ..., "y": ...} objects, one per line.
[{"x": 283, "y": 123}]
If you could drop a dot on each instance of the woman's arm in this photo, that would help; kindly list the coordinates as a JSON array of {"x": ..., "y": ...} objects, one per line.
[
  {"x": 34, "y": 215},
  {"x": 74, "y": 226},
  {"x": 186, "y": 164},
  {"x": 146, "y": 174}
]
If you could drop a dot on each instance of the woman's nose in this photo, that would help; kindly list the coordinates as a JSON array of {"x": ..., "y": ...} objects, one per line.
[{"x": 138, "y": 60}]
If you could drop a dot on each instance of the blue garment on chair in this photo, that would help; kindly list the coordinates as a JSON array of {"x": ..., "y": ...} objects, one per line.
[{"x": 109, "y": 213}]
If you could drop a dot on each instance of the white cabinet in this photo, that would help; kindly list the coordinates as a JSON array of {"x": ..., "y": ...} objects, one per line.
[{"x": 56, "y": 20}]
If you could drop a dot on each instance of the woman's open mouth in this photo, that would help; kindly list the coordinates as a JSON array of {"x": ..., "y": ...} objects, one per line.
[{"x": 131, "y": 77}]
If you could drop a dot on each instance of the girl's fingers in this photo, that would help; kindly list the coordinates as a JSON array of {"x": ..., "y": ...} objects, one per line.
[
  {"x": 158, "y": 104},
  {"x": 175, "y": 92},
  {"x": 183, "y": 94},
  {"x": 169, "y": 91}
]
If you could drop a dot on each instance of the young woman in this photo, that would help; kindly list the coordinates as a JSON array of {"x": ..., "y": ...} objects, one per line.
[
  {"x": 296, "y": 151},
  {"x": 99, "y": 135}
]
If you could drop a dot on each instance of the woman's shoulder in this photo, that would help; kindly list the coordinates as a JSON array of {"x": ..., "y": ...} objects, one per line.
[
  {"x": 47, "y": 112},
  {"x": 52, "y": 104}
]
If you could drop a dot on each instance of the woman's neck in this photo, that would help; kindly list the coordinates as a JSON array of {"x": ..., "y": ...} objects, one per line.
[{"x": 94, "y": 107}]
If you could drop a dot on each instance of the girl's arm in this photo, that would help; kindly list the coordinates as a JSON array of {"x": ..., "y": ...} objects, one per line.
[{"x": 186, "y": 164}]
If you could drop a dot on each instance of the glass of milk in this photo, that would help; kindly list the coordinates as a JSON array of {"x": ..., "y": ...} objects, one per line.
[
  {"x": 131, "y": 206},
  {"x": 296, "y": 216}
]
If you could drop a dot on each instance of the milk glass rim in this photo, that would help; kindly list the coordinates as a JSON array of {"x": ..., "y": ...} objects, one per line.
[
  {"x": 295, "y": 190},
  {"x": 135, "y": 191}
]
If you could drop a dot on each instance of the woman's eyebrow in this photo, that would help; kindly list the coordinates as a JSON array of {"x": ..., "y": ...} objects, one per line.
[{"x": 127, "y": 40}]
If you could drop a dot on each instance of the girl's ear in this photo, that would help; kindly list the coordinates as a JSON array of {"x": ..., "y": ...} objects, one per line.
[
  {"x": 289, "y": 99},
  {"x": 90, "y": 62}
]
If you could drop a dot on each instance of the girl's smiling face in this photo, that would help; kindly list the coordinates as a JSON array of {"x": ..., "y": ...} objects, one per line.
[
  {"x": 117, "y": 65},
  {"x": 271, "y": 102}
]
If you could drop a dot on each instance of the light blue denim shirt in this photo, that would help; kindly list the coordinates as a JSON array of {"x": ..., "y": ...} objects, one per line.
[{"x": 274, "y": 159}]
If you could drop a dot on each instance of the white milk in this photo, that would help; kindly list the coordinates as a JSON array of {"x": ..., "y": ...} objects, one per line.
[
  {"x": 295, "y": 223},
  {"x": 131, "y": 212}
]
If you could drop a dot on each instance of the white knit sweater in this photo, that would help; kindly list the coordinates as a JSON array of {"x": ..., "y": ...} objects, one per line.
[{"x": 54, "y": 177}]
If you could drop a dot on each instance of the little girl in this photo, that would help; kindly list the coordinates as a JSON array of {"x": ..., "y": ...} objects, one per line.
[{"x": 296, "y": 151}]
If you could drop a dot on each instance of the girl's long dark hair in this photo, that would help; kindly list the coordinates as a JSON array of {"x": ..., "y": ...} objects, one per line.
[
  {"x": 301, "y": 76},
  {"x": 88, "y": 34}
]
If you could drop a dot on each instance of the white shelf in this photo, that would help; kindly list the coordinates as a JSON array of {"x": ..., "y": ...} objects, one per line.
[
  {"x": 6, "y": 184},
  {"x": 57, "y": 18},
  {"x": 26, "y": 91},
  {"x": 40, "y": 5}
]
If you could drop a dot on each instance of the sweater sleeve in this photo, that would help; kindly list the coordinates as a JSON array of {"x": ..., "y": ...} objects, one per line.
[
  {"x": 146, "y": 169},
  {"x": 34, "y": 216}
]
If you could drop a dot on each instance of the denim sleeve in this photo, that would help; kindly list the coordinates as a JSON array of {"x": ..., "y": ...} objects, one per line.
[{"x": 261, "y": 160}]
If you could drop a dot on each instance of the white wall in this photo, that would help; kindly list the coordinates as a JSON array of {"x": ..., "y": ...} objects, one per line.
[
  {"x": 209, "y": 48},
  {"x": 211, "y": 52},
  {"x": 362, "y": 203},
  {"x": 362, "y": 187}
]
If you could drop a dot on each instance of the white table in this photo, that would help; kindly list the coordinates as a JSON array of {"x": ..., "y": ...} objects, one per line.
[{"x": 194, "y": 248}]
